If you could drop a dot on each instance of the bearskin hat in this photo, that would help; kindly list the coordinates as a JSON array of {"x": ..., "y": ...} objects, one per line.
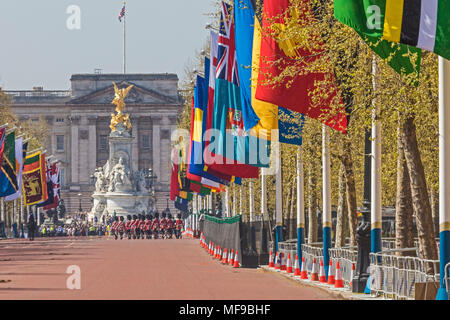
[
  {"x": 122, "y": 218},
  {"x": 129, "y": 217},
  {"x": 116, "y": 218},
  {"x": 156, "y": 215},
  {"x": 179, "y": 216}
]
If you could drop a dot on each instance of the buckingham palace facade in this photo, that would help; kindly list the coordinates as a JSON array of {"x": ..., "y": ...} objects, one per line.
[{"x": 79, "y": 119}]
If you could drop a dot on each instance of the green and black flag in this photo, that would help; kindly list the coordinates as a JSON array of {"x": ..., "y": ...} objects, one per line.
[{"x": 8, "y": 178}]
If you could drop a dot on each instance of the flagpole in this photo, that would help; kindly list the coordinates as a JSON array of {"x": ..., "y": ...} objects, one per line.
[
  {"x": 124, "y": 41},
  {"x": 444, "y": 173}
]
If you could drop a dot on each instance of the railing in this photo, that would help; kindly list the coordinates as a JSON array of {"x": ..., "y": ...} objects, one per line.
[
  {"x": 30, "y": 93},
  {"x": 447, "y": 279},
  {"x": 347, "y": 257},
  {"x": 394, "y": 277}
]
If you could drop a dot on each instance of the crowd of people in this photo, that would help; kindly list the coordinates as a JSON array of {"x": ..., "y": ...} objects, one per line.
[
  {"x": 147, "y": 227},
  {"x": 74, "y": 229}
]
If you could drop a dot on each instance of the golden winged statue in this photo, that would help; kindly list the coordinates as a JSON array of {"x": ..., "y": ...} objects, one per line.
[{"x": 119, "y": 102}]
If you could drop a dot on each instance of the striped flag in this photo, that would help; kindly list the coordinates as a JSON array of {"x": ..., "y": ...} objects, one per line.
[
  {"x": 122, "y": 13},
  {"x": 419, "y": 23}
]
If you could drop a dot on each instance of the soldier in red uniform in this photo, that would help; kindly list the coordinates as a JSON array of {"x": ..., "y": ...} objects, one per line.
[
  {"x": 114, "y": 227},
  {"x": 121, "y": 227},
  {"x": 178, "y": 226},
  {"x": 148, "y": 227},
  {"x": 155, "y": 226},
  {"x": 128, "y": 226},
  {"x": 133, "y": 226},
  {"x": 142, "y": 225},
  {"x": 170, "y": 226},
  {"x": 162, "y": 226}
]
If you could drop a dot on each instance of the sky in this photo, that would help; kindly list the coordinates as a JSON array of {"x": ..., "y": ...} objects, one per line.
[{"x": 42, "y": 43}]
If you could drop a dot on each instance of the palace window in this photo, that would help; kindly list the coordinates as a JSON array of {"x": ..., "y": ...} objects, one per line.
[
  {"x": 103, "y": 145},
  {"x": 59, "y": 143},
  {"x": 62, "y": 177},
  {"x": 145, "y": 142},
  {"x": 60, "y": 120}
]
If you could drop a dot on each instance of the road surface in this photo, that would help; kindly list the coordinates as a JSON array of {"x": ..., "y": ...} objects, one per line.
[{"x": 134, "y": 269}]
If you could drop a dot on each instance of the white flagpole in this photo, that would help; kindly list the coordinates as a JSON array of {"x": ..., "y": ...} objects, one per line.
[{"x": 124, "y": 39}]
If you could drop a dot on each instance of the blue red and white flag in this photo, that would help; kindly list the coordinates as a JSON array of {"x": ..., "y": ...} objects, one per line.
[{"x": 122, "y": 13}]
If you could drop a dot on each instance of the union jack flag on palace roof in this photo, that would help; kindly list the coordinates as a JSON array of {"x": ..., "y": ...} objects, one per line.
[
  {"x": 122, "y": 14},
  {"x": 227, "y": 62}
]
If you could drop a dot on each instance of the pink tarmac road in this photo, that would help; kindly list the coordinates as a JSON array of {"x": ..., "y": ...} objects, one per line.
[{"x": 134, "y": 269}]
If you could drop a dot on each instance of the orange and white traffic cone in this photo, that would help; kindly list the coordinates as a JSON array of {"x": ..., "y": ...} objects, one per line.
[
  {"x": 289, "y": 264},
  {"x": 331, "y": 273},
  {"x": 282, "y": 262},
  {"x": 296, "y": 267},
  {"x": 338, "y": 283},
  {"x": 277, "y": 261},
  {"x": 231, "y": 260},
  {"x": 220, "y": 254},
  {"x": 322, "y": 277},
  {"x": 352, "y": 274},
  {"x": 225, "y": 256},
  {"x": 303, "y": 272},
  {"x": 314, "y": 276},
  {"x": 271, "y": 265},
  {"x": 214, "y": 252},
  {"x": 210, "y": 248},
  {"x": 236, "y": 260}
]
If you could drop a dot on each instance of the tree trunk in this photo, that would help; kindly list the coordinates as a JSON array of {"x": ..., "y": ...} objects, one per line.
[
  {"x": 435, "y": 211},
  {"x": 419, "y": 192},
  {"x": 404, "y": 227},
  {"x": 350, "y": 192},
  {"x": 342, "y": 219},
  {"x": 312, "y": 203}
]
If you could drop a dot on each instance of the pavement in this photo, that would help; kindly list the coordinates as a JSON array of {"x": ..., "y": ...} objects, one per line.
[{"x": 135, "y": 270}]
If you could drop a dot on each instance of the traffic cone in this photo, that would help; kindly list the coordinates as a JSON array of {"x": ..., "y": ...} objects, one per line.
[
  {"x": 225, "y": 256},
  {"x": 277, "y": 262},
  {"x": 210, "y": 247},
  {"x": 282, "y": 262},
  {"x": 338, "y": 283},
  {"x": 214, "y": 252},
  {"x": 219, "y": 257},
  {"x": 352, "y": 274},
  {"x": 296, "y": 267},
  {"x": 231, "y": 260},
  {"x": 289, "y": 264},
  {"x": 271, "y": 265},
  {"x": 331, "y": 273},
  {"x": 303, "y": 273},
  {"x": 314, "y": 276},
  {"x": 322, "y": 277},
  {"x": 236, "y": 260}
]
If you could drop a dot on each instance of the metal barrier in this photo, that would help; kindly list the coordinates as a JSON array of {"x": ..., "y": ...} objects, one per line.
[
  {"x": 347, "y": 256},
  {"x": 311, "y": 251},
  {"x": 394, "y": 277},
  {"x": 447, "y": 279}
]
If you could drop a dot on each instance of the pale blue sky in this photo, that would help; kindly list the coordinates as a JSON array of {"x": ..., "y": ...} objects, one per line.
[{"x": 37, "y": 48}]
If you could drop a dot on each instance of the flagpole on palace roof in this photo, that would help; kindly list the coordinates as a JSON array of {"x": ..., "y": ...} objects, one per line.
[{"x": 124, "y": 41}]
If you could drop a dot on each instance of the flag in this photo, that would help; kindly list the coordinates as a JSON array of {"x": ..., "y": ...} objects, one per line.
[
  {"x": 8, "y": 177},
  {"x": 56, "y": 184},
  {"x": 367, "y": 17},
  {"x": 21, "y": 152},
  {"x": 259, "y": 115},
  {"x": 2, "y": 142},
  {"x": 34, "y": 185},
  {"x": 294, "y": 93},
  {"x": 49, "y": 183},
  {"x": 181, "y": 204},
  {"x": 242, "y": 153},
  {"x": 122, "y": 13},
  {"x": 419, "y": 23}
]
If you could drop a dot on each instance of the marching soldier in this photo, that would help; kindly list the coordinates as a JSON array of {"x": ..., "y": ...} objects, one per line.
[
  {"x": 163, "y": 225},
  {"x": 133, "y": 226},
  {"x": 128, "y": 226},
  {"x": 155, "y": 226},
  {"x": 121, "y": 227},
  {"x": 148, "y": 226},
  {"x": 114, "y": 227},
  {"x": 170, "y": 225},
  {"x": 178, "y": 226},
  {"x": 142, "y": 226}
]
